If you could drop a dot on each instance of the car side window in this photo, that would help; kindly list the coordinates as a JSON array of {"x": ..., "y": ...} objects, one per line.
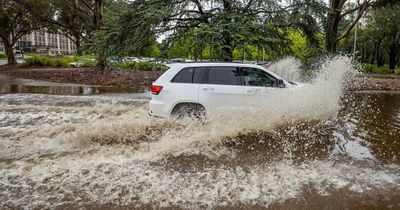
[
  {"x": 224, "y": 76},
  {"x": 190, "y": 75},
  {"x": 257, "y": 77},
  {"x": 198, "y": 75},
  {"x": 184, "y": 76}
]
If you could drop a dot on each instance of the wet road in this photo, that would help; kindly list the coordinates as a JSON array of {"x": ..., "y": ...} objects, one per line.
[
  {"x": 3, "y": 61},
  {"x": 102, "y": 151}
]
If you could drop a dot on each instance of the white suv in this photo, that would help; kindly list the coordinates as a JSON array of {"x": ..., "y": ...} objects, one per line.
[{"x": 195, "y": 89}]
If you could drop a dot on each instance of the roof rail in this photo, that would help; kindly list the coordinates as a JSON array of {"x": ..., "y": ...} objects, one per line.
[{"x": 207, "y": 62}]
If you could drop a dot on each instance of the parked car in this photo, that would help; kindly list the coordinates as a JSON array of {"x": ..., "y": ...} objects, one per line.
[
  {"x": 19, "y": 54},
  {"x": 177, "y": 60},
  {"x": 194, "y": 89},
  {"x": 81, "y": 62}
]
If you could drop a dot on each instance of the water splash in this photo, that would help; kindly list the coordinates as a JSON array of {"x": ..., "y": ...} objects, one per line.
[
  {"x": 75, "y": 151},
  {"x": 288, "y": 68}
]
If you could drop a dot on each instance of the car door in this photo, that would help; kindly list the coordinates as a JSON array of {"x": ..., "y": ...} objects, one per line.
[
  {"x": 221, "y": 89},
  {"x": 258, "y": 84},
  {"x": 186, "y": 83}
]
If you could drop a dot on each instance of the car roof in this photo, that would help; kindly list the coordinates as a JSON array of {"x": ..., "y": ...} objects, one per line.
[{"x": 197, "y": 64}]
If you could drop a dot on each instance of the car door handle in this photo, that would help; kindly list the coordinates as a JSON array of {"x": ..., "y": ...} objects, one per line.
[{"x": 207, "y": 88}]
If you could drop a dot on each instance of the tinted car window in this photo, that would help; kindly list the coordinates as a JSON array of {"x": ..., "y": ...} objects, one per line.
[
  {"x": 224, "y": 76},
  {"x": 199, "y": 74},
  {"x": 190, "y": 75},
  {"x": 257, "y": 77},
  {"x": 184, "y": 76}
]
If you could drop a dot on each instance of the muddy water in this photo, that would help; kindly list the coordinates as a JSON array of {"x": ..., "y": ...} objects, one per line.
[
  {"x": 97, "y": 152},
  {"x": 18, "y": 85},
  {"x": 310, "y": 148}
]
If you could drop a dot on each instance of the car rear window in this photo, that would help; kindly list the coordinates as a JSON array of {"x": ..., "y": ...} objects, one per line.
[
  {"x": 224, "y": 76},
  {"x": 190, "y": 75},
  {"x": 184, "y": 76}
]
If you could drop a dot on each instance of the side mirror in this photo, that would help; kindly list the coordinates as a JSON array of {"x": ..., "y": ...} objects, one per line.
[{"x": 280, "y": 84}]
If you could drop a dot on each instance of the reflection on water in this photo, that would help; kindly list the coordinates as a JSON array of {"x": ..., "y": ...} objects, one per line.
[
  {"x": 54, "y": 90},
  {"x": 17, "y": 85},
  {"x": 66, "y": 89},
  {"x": 369, "y": 126}
]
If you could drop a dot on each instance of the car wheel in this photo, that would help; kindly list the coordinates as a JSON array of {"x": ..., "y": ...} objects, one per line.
[{"x": 192, "y": 110}]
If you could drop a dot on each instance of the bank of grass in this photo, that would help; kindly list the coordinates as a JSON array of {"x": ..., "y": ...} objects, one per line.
[
  {"x": 370, "y": 68},
  {"x": 138, "y": 66},
  {"x": 38, "y": 61},
  {"x": 3, "y": 56},
  {"x": 46, "y": 61},
  {"x": 397, "y": 71}
]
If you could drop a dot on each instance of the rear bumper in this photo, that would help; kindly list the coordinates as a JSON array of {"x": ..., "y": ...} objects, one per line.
[{"x": 158, "y": 109}]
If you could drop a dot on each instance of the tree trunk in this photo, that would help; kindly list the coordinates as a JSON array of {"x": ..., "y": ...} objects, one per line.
[
  {"x": 393, "y": 50},
  {"x": 380, "y": 59},
  {"x": 332, "y": 26},
  {"x": 9, "y": 52},
  {"x": 78, "y": 46},
  {"x": 227, "y": 51},
  {"x": 97, "y": 19},
  {"x": 98, "y": 14}
]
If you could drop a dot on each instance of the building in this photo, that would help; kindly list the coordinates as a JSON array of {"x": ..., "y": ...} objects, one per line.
[{"x": 43, "y": 42}]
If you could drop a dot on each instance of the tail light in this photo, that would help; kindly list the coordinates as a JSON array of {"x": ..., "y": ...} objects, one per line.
[{"x": 156, "y": 89}]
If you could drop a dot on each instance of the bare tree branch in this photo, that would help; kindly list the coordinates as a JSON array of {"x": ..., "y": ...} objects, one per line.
[{"x": 360, "y": 14}]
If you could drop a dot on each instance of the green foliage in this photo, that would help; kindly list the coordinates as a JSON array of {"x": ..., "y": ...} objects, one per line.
[
  {"x": 397, "y": 71},
  {"x": 382, "y": 70},
  {"x": 299, "y": 45},
  {"x": 370, "y": 68},
  {"x": 142, "y": 66},
  {"x": 88, "y": 64},
  {"x": 378, "y": 40},
  {"x": 44, "y": 61},
  {"x": 3, "y": 56},
  {"x": 15, "y": 21}
]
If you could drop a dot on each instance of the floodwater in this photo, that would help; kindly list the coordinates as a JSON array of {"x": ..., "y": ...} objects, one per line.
[
  {"x": 17, "y": 85},
  {"x": 325, "y": 149}
]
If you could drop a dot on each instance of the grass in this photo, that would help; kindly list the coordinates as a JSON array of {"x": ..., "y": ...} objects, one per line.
[
  {"x": 46, "y": 61},
  {"x": 64, "y": 61},
  {"x": 397, "y": 71},
  {"x": 370, "y": 68},
  {"x": 3, "y": 56},
  {"x": 136, "y": 66}
]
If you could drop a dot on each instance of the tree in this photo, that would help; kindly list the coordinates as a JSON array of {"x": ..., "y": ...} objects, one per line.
[
  {"x": 14, "y": 23},
  {"x": 96, "y": 7},
  {"x": 335, "y": 15},
  {"x": 70, "y": 17},
  {"x": 222, "y": 24},
  {"x": 386, "y": 28}
]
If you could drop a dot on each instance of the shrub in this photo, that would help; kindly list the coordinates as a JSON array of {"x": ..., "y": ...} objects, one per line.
[
  {"x": 43, "y": 61},
  {"x": 142, "y": 66},
  {"x": 88, "y": 63},
  {"x": 397, "y": 71},
  {"x": 368, "y": 68},
  {"x": 2, "y": 55},
  {"x": 382, "y": 70}
]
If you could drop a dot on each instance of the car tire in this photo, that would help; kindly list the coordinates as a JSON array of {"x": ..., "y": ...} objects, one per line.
[{"x": 192, "y": 110}]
